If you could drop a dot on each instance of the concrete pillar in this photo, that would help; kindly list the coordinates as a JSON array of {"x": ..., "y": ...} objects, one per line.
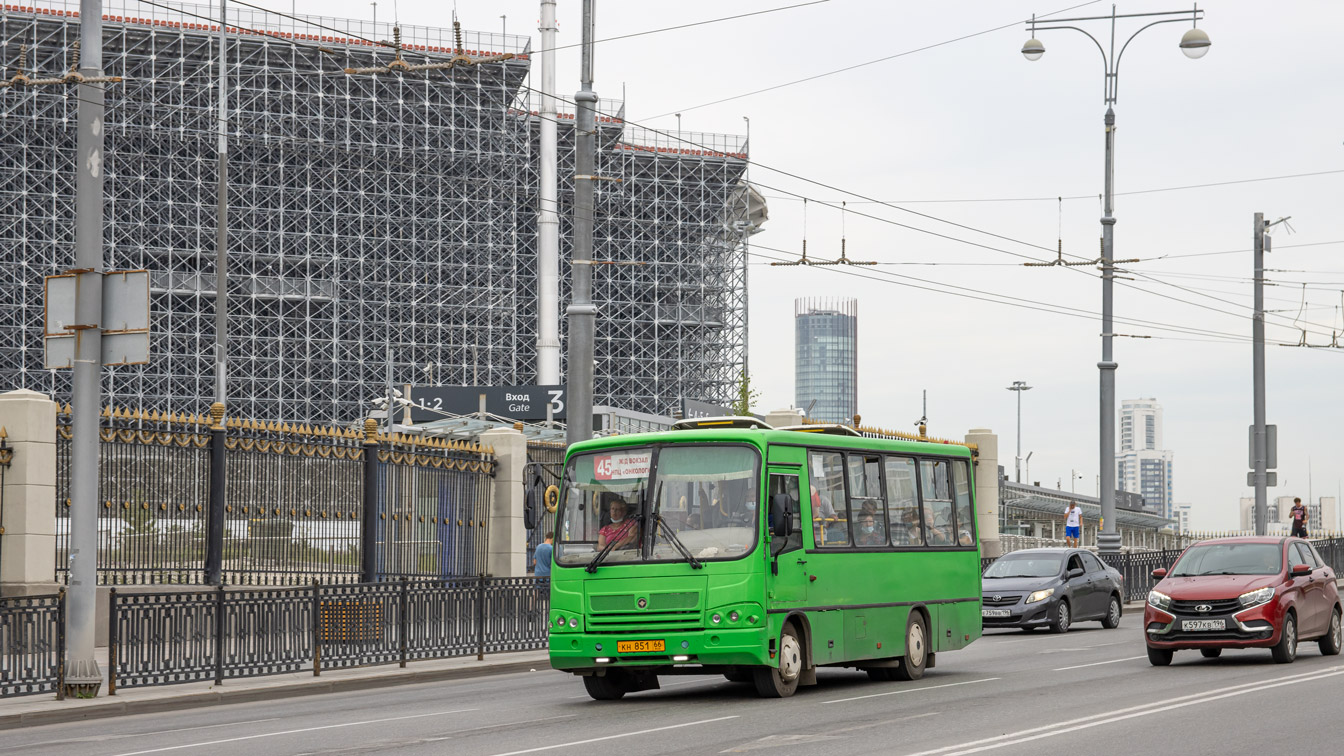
[
  {"x": 28, "y": 551},
  {"x": 782, "y": 417},
  {"x": 506, "y": 553},
  {"x": 987, "y": 489}
]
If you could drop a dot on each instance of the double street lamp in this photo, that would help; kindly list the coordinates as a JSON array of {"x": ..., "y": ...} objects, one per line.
[
  {"x": 1194, "y": 43},
  {"x": 1019, "y": 387}
]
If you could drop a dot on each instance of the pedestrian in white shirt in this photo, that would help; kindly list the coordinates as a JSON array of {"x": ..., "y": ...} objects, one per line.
[{"x": 1073, "y": 524}]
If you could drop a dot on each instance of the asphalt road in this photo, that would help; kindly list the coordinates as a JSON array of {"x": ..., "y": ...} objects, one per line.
[{"x": 1089, "y": 691}]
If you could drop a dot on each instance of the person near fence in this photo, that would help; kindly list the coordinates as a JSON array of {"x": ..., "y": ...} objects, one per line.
[
  {"x": 1299, "y": 516},
  {"x": 622, "y": 531},
  {"x": 541, "y": 566},
  {"x": 1073, "y": 524}
]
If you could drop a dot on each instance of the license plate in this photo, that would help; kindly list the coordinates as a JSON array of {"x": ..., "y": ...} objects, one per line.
[
  {"x": 1204, "y": 624},
  {"x": 995, "y": 613},
  {"x": 639, "y": 647}
]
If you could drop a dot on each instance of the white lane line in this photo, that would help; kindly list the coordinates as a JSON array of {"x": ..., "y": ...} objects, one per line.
[
  {"x": 292, "y": 732},
  {"x": 912, "y": 690},
  {"x": 203, "y": 727},
  {"x": 1095, "y": 664},
  {"x": 1072, "y": 725},
  {"x": 613, "y": 737}
]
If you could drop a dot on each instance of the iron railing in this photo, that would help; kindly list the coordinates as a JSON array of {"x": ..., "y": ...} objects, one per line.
[
  {"x": 220, "y": 634},
  {"x": 6, "y": 457},
  {"x": 32, "y": 640},
  {"x": 293, "y": 502}
]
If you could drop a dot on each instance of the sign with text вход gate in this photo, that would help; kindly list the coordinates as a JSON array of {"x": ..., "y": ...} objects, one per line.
[{"x": 525, "y": 403}]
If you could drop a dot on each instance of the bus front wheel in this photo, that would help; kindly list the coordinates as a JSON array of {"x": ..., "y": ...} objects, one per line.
[
  {"x": 781, "y": 681},
  {"x": 609, "y": 688},
  {"x": 916, "y": 649}
]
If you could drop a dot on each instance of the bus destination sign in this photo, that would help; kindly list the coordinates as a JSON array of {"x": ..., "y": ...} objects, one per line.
[{"x": 620, "y": 466}]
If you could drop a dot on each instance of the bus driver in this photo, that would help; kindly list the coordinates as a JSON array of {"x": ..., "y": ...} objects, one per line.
[{"x": 622, "y": 531}]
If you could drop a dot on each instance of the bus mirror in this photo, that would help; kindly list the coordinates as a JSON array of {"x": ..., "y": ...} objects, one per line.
[{"x": 780, "y": 522}]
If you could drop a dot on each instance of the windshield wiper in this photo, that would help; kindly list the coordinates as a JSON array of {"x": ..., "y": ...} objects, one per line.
[
  {"x": 671, "y": 536},
  {"x": 597, "y": 559}
]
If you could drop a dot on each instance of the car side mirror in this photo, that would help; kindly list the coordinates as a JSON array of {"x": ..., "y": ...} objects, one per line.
[
  {"x": 1160, "y": 573},
  {"x": 1075, "y": 572},
  {"x": 1301, "y": 569},
  {"x": 780, "y": 522}
]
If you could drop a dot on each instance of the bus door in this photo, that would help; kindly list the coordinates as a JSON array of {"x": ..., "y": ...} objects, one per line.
[{"x": 786, "y": 562}]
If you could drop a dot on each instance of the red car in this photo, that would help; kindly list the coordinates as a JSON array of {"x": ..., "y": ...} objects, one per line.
[{"x": 1247, "y": 592}]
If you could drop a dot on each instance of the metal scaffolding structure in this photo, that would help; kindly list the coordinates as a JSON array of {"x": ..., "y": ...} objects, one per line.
[{"x": 380, "y": 226}]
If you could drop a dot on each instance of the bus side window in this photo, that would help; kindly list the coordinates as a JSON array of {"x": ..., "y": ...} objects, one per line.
[
  {"x": 965, "y": 516},
  {"x": 827, "y": 496},
  {"x": 868, "y": 518},
  {"x": 937, "y": 499},
  {"x": 903, "y": 503}
]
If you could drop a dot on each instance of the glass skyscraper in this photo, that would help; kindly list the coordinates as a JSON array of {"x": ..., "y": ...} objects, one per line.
[{"x": 826, "y": 368}]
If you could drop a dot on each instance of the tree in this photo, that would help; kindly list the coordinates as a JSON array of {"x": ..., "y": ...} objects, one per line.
[{"x": 746, "y": 396}]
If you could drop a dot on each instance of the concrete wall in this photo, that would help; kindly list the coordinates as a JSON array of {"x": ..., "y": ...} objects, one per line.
[
  {"x": 506, "y": 553},
  {"x": 28, "y": 550},
  {"x": 987, "y": 489}
]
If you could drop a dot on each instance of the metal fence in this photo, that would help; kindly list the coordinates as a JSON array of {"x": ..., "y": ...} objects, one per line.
[
  {"x": 545, "y": 466},
  {"x": 32, "y": 639},
  {"x": 1137, "y": 566},
  {"x": 6, "y": 456},
  {"x": 221, "y": 634},
  {"x": 293, "y": 501}
]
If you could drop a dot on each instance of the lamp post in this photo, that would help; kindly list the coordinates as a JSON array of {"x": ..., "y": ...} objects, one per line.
[
  {"x": 1019, "y": 387},
  {"x": 1194, "y": 43}
]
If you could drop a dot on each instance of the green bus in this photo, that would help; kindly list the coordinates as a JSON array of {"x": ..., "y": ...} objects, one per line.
[{"x": 695, "y": 551}]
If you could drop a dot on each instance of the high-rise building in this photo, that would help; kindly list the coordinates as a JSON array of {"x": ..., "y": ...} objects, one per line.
[
  {"x": 1142, "y": 465},
  {"x": 826, "y": 367},
  {"x": 1181, "y": 514},
  {"x": 1322, "y": 514},
  {"x": 382, "y": 229}
]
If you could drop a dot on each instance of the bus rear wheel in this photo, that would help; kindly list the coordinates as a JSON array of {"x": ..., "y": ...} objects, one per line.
[
  {"x": 781, "y": 681},
  {"x": 609, "y": 688},
  {"x": 738, "y": 676},
  {"x": 916, "y": 650}
]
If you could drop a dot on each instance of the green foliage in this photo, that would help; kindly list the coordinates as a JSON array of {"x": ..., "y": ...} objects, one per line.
[{"x": 746, "y": 396}]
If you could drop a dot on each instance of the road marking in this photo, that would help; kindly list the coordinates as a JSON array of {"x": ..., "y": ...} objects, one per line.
[
  {"x": 205, "y": 727},
  {"x": 613, "y": 737},
  {"x": 796, "y": 739},
  {"x": 912, "y": 690},
  {"x": 1051, "y": 730},
  {"x": 1094, "y": 664},
  {"x": 292, "y": 732},
  {"x": 123, "y": 736}
]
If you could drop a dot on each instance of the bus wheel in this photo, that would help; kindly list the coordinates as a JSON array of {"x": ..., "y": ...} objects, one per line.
[
  {"x": 916, "y": 649},
  {"x": 781, "y": 681},
  {"x": 609, "y": 688}
]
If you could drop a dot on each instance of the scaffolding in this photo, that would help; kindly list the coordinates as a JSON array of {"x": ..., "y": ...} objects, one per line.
[{"x": 381, "y": 228}]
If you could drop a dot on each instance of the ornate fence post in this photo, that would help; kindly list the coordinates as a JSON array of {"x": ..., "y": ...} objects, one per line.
[
  {"x": 60, "y": 646},
  {"x": 404, "y": 620},
  {"x": 111, "y": 639},
  {"x": 214, "y": 527},
  {"x": 317, "y": 629},
  {"x": 368, "y": 527},
  {"x": 219, "y": 634}
]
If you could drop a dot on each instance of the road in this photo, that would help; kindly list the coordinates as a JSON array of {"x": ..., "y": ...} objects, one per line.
[{"x": 1089, "y": 691}]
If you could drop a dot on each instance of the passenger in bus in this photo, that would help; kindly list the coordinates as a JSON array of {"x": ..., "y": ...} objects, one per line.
[
  {"x": 941, "y": 532},
  {"x": 908, "y": 534},
  {"x": 824, "y": 520},
  {"x": 622, "y": 531},
  {"x": 867, "y": 532},
  {"x": 964, "y": 538}
]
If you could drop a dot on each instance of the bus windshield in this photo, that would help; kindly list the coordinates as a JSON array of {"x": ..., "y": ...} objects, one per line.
[{"x": 659, "y": 504}]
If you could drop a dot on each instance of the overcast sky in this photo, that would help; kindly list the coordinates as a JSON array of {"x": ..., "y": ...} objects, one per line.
[{"x": 973, "y": 120}]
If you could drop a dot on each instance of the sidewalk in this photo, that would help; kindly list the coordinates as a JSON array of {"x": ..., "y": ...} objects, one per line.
[{"x": 23, "y": 711}]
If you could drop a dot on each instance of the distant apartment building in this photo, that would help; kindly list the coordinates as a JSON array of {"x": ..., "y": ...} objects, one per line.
[
  {"x": 1142, "y": 465},
  {"x": 826, "y": 365},
  {"x": 1322, "y": 514},
  {"x": 1181, "y": 514}
]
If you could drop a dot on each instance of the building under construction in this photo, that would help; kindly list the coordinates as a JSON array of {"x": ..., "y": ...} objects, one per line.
[{"x": 381, "y": 228}]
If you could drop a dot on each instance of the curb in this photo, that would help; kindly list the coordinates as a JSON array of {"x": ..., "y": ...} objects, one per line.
[{"x": 114, "y": 708}]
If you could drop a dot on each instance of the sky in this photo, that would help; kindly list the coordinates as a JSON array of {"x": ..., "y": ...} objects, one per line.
[{"x": 963, "y": 116}]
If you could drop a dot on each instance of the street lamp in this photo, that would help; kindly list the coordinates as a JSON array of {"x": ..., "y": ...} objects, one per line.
[
  {"x": 1194, "y": 44},
  {"x": 1019, "y": 387}
]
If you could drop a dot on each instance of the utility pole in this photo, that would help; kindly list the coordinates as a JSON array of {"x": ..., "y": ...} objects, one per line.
[
  {"x": 82, "y": 676},
  {"x": 1019, "y": 387},
  {"x": 214, "y": 557},
  {"x": 581, "y": 312},
  {"x": 1259, "y": 453},
  {"x": 548, "y": 218}
]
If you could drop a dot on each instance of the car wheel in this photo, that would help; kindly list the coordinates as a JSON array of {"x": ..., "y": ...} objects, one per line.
[
  {"x": 608, "y": 688},
  {"x": 781, "y": 681},
  {"x": 1211, "y": 653},
  {"x": 1112, "y": 618},
  {"x": 1062, "y": 618},
  {"x": 1332, "y": 640},
  {"x": 916, "y": 649},
  {"x": 1286, "y": 649},
  {"x": 1160, "y": 657}
]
